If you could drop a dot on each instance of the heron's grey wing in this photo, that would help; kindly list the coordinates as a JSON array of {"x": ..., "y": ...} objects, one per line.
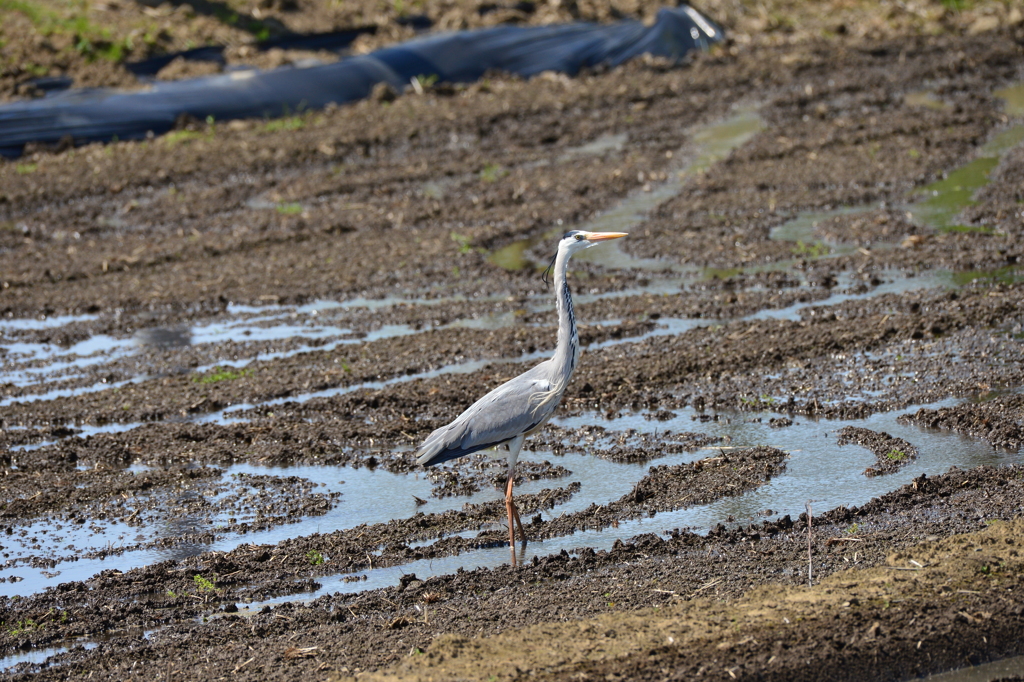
[{"x": 499, "y": 416}]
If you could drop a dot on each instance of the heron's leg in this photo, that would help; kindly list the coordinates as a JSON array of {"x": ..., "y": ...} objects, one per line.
[
  {"x": 510, "y": 505},
  {"x": 514, "y": 446}
]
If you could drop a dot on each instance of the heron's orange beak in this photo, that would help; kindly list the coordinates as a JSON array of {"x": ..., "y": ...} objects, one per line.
[{"x": 602, "y": 236}]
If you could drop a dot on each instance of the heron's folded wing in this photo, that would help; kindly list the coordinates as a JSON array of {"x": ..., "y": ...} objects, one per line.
[{"x": 499, "y": 416}]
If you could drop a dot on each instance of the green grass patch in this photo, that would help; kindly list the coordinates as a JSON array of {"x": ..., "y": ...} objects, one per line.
[
  {"x": 462, "y": 241},
  {"x": 290, "y": 123},
  {"x": 176, "y": 137},
  {"x": 203, "y": 584},
  {"x": 896, "y": 455},
  {"x": 722, "y": 273},
  {"x": 88, "y": 39},
  {"x": 293, "y": 208},
  {"x": 492, "y": 172},
  {"x": 221, "y": 374},
  {"x": 969, "y": 229},
  {"x": 26, "y": 168},
  {"x": 1008, "y": 274},
  {"x": 314, "y": 557},
  {"x": 815, "y": 250},
  {"x": 22, "y": 626},
  {"x": 257, "y": 28}
]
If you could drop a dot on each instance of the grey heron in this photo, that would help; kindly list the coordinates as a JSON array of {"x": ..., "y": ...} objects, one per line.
[{"x": 507, "y": 415}]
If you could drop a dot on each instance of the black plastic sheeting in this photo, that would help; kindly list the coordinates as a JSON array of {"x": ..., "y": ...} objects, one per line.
[{"x": 90, "y": 115}]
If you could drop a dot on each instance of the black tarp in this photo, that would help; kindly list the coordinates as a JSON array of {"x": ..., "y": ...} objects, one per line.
[{"x": 88, "y": 115}]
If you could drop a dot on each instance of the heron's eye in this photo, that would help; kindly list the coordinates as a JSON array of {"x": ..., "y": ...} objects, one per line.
[{"x": 579, "y": 237}]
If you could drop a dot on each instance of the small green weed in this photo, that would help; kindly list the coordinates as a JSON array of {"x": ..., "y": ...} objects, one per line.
[
  {"x": 26, "y": 168},
  {"x": 425, "y": 81},
  {"x": 315, "y": 558},
  {"x": 462, "y": 241},
  {"x": 815, "y": 250},
  {"x": 203, "y": 584},
  {"x": 852, "y": 530},
  {"x": 492, "y": 172},
  {"x": 896, "y": 455},
  {"x": 90, "y": 40},
  {"x": 26, "y": 625},
  {"x": 290, "y": 123},
  {"x": 293, "y": 208},
  {"x": 176, "y": 137},
  {"x": 220, "y": 374}
]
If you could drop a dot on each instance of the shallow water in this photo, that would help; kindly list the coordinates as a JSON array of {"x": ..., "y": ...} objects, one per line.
[
  {"x": 817, "y": 471},
  {"x": 1006, "y": 669}
]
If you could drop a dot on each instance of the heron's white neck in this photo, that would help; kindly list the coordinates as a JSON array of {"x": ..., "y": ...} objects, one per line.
[{"x": 567, "y": 350}]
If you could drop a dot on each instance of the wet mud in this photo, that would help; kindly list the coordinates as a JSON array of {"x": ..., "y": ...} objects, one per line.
[
  {"x": 891, "y": 454},
  {"x": 221, "y": 347}
]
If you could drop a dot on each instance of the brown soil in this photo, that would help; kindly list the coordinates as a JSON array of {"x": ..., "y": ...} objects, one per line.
[
  {"x": 405, "y": 203},
  {"x": 892, "y": 454}
]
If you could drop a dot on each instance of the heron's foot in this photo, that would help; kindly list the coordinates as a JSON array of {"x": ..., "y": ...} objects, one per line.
[
  {"x": 513, "y": 520},
  {"x": 519, "y": 523}
]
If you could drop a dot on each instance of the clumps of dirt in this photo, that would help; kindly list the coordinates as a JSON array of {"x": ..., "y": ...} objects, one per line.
[
  {"x": 865, "y": 229},
  {"x": 729, "y": 301},
  {"x": 182, "y": 395},
  {"x": 450, "y": 483},
  {"x": 179, "y": 68},
  {"x": 891, "y": 454},
  {"x": 948, "y": 611},
  {"x": 557, "y": 587},
  {"x": 199, "y": 501},
  {"x": 629, "y": 446},
  {"x": 665, "y": 488},
  {"x": 484, "y": 469},
  {"x": 1000, "y": 420},
  {"x": 996, "y": 207},
  {"x": 819, "y": 364}
]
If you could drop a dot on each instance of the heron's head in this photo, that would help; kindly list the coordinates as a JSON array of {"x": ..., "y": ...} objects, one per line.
[{"x": 577, "y": 240}]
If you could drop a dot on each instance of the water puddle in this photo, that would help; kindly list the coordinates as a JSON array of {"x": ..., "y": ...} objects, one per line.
[
  {"x": 1006, "y": 669},
  {"x": 802, "y": 230},
  {"x": 601, "y": 145},
  {"x": 37, "y": 656},
  {"x": 817, "y": 470}
]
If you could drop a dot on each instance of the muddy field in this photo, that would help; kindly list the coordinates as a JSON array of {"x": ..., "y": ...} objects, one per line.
[{"x": 221, "y": 346}]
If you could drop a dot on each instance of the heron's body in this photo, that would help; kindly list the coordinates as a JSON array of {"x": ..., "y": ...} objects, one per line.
[{"x": 521, "y": 406}]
